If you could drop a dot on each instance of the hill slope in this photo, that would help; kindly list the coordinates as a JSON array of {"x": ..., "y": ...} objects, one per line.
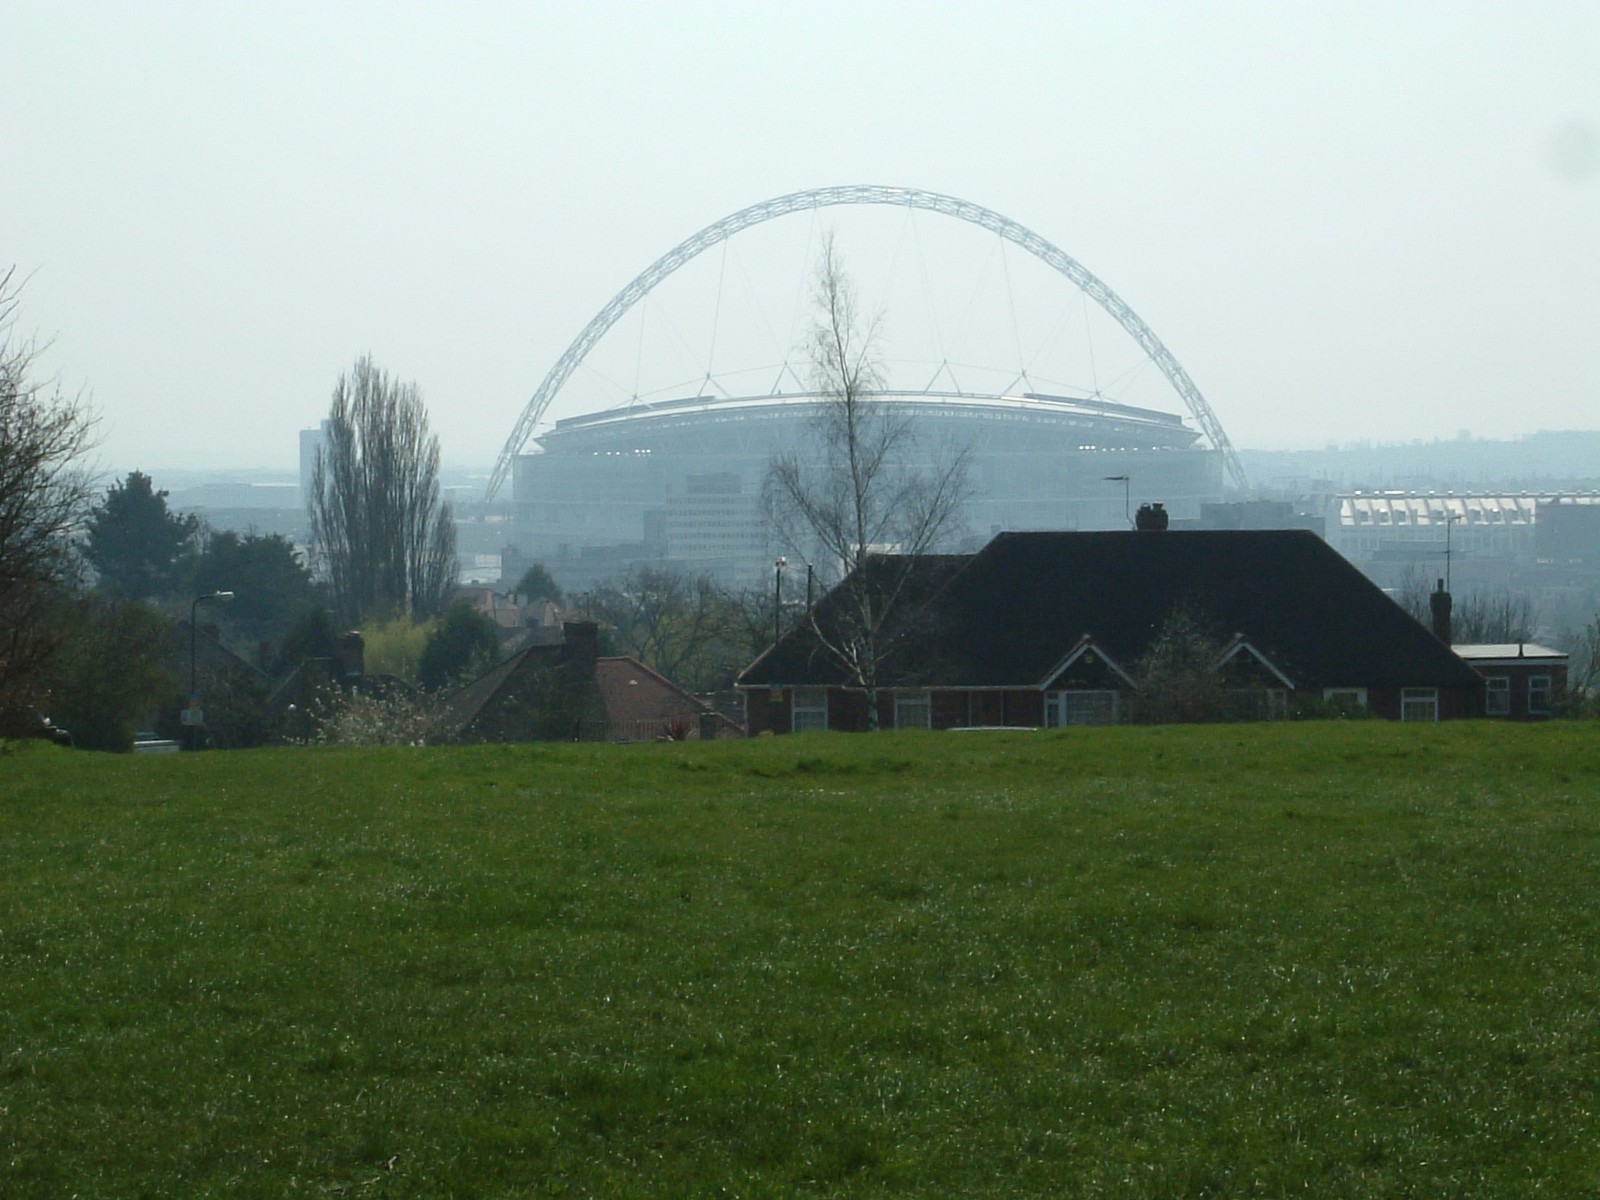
[{"x": 1344, "y": 960}]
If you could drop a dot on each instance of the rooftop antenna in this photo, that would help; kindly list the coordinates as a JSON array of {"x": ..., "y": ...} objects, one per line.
[{"x": 1449, "y": 524}]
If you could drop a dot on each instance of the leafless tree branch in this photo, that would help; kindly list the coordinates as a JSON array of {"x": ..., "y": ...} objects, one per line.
[
  {"x": 44, "y": 491},
  {"x": 865, "y": 488}
]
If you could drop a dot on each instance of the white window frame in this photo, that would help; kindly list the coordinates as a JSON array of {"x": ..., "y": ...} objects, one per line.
[
  {"x": 1358, "y": 694},
  {"x": 906, "y": 707},
  {"x": 1497, "y": 695},
  {"x": 1419, "y": 704},
  {"x": 1059, "y": 706},
  {"x": 808, "y": 709},
  {"x": 1542, "y": 687}
]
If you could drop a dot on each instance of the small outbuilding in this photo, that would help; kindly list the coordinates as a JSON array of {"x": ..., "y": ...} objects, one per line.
[{"x": 1522, "y": 681}]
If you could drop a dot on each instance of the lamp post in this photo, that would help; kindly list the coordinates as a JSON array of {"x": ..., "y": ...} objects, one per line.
[
  {"x": 777, "y": 598},
  {"x": 191, "y": 715},
  {"x": 1126, "y": 481}
]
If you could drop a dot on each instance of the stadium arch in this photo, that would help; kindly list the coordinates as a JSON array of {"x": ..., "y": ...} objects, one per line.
[{"x": 861, "y": 194}]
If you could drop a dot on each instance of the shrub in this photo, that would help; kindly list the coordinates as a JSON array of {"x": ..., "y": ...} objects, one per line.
[{"x": 391, "y": 717}]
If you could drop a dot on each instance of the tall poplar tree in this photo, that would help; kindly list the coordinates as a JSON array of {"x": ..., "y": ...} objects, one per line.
[{"x": 385, "y": 539}]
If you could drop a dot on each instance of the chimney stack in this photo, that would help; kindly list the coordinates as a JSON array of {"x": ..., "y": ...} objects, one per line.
[
  {"x": 1150, "y": 518},
  {"x": 1440, "y": 604},
  {"x": 350, "y": 652},
  {"x": 583, "y": 640}
]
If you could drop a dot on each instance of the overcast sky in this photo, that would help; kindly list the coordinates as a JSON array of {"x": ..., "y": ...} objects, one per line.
[{"x": 1346, "y": 220}]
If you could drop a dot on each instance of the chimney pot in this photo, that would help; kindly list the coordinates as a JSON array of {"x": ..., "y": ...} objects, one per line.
[
  {"x": 1151, "y": 518},
  {"x": 1439, "y": 604}
]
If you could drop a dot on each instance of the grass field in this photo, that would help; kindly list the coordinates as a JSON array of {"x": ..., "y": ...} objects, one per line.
[{"x": 1315, "y": 959}]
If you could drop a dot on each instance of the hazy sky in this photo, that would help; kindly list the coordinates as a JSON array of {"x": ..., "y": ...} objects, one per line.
[{"x": 1346, "y": 220}]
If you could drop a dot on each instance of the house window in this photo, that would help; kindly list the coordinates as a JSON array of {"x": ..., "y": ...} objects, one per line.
[
  {"x": 1538, "y": 693},
  {"x": 1497, "y": 696},
  {"x": 1419, "y": 704},
  {"x": 810, "y": 709},
  {"x": 1346, "y": 700},
  {"x": 1082, "y": 707},
  {"x": 912, "y": 710}
]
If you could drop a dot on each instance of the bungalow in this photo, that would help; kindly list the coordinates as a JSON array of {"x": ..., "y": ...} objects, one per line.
[{"x": 1045, "y": 629}]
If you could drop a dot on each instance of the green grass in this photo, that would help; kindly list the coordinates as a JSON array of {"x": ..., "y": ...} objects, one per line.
[{"x": 1333, "y": 959}]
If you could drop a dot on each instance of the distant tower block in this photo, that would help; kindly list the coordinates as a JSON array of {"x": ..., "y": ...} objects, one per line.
[{"x": 311, "y": 441}]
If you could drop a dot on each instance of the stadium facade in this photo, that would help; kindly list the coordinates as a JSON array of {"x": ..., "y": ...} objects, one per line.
[{"x": 678, "y": 483}]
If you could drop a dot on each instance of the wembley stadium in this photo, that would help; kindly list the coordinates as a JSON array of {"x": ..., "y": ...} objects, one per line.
[
  {"x": 679, "y": 482},
  {"x": 676, "y": 479}
]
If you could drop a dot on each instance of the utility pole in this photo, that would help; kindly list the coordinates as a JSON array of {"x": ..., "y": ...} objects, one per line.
[
  {"x": 193, "y": 716},
  {"x": 777, "y": 598}
]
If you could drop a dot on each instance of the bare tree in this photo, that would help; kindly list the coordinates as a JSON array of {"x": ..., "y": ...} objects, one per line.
[
  {"x": 1583, "y": 675},
  {"x": 384, "y": 538},
  {"x": 1503, "y": 616},
  {"x": 43, "y": 493},
  {"x": 1476, "y": 617},
  {"x": 1411, "y": 593},
  {"x": 865, "y": 488},
  {"x": 689, "y": 629}
]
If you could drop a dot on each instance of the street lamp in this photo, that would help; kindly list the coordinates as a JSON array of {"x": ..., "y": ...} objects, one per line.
[
  {"x": 191, "y": 715},
  {"x": 777, "y": 598},
  {"x": 1126, "y": 482}
]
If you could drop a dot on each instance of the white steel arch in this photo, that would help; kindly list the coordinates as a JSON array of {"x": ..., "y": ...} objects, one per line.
[{"x": 720, "y": 231}]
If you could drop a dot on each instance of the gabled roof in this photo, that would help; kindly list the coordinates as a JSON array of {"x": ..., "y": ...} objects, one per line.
[
  {"x": 463, "y": 706},
  {"x": 800, "y": 655},
  {"x": 1241, "y": 648},
  {"x": 1084, "y": 650},
  {"x": 634, "y": 694},
  {"x": 211, "y": 654},
  {"x": 632, "y": 698},
  {"x": 1010, "y": 614}
]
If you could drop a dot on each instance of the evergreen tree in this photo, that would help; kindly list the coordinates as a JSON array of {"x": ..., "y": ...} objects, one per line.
[
  {"x": 312, "y": 636},
  {"x": 538, "y": 584},
  {"x": 135, "y": 542},
  {"x": 272, "y": 587},
  {"x": 464, "y": 642},
  {"x": 1178, "y": 678}
]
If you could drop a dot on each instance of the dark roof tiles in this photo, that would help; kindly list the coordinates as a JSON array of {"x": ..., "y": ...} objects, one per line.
[{"x": 1011, "y": 612}]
